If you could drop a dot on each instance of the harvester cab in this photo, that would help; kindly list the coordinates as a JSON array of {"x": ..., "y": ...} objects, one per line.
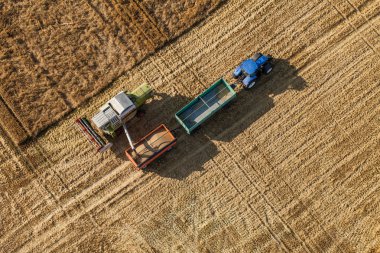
[
  {"x": 250, "y": 70},
  {"x": 114, "y": 114}
]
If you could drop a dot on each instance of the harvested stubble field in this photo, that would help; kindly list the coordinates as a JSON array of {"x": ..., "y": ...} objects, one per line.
[
  {"x": 291, "y": 166},
  {"x": 56, "y": 54}
]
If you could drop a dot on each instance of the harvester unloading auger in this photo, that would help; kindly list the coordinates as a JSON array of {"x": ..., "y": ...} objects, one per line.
[{"x": 113, "y": 115}]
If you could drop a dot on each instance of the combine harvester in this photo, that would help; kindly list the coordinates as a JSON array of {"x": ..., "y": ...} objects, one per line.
[{"x": 114, "y": 115}]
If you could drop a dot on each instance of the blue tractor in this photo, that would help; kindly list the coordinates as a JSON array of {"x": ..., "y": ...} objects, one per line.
[{"x": 250, "y": 70}]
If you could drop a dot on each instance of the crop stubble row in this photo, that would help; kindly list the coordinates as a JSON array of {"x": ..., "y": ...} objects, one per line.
[{"x": 298, "y": 154}]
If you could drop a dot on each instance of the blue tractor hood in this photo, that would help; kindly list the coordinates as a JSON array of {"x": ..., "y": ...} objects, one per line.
[{"x": 249, "y": 66}]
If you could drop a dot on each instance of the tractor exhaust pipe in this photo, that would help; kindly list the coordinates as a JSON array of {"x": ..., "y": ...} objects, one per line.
[{"x": 128, "y": 137}]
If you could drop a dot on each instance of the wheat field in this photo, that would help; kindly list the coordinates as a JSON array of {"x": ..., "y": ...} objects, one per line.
[{"x": 290, "y": 166}]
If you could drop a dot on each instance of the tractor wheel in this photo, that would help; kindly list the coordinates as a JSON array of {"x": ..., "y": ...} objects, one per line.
[
  {"x": 267, "y": 68},
  {"x": 256, "y": 56},
  {"x": 249, "y": 86}
]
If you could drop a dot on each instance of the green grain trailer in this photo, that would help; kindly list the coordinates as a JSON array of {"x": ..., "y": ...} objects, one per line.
[{"x": 205, "y": 105}]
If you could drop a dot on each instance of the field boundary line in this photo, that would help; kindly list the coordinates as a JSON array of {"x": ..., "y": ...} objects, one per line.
[{"x": 17, "y": 121}]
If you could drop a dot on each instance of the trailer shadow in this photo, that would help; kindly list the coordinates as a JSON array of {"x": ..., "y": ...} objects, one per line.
[
  {"x": 193, "y": 151},
  {"x": 252, "y": 104},
  {"x": 190, "y": 153}
]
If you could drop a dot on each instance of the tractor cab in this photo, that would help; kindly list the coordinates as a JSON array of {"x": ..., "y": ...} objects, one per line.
[{"x": 249, "y": 67}]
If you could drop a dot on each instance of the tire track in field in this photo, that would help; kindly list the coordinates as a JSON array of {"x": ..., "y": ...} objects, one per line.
[
  {"x": 363, "y": 16},
  {"x": 339, "y": 126},
  {"x": 304, "y": 244},
  {"x": 102, "y": 17},
  {"x": 238, "y": 190},
  {"x": 320, "y": 92},
  {"x": 80, "y": 202},
  {"x": 84, "y": 194},
  {"x": 25, "y": 163},
  {"x": 352, "y": 206},
  {"x": 66, "y": 186},
  {"x": 349, "y": 179},
  {"x": 308, "y": 186},
  {"x": 360, "y": 149},
  {"x": 354, "y": 27},
  {"x": 154, "y": 24}
]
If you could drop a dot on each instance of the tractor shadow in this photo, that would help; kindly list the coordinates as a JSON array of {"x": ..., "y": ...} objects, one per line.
[{"x": 193, "y": 151}]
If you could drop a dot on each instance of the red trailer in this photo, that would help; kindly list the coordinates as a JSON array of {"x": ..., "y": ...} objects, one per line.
[{"x": 152, "y": 146}]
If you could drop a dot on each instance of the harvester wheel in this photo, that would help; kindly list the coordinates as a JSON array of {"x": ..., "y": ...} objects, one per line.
[{"x": 140, "y": 113}]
